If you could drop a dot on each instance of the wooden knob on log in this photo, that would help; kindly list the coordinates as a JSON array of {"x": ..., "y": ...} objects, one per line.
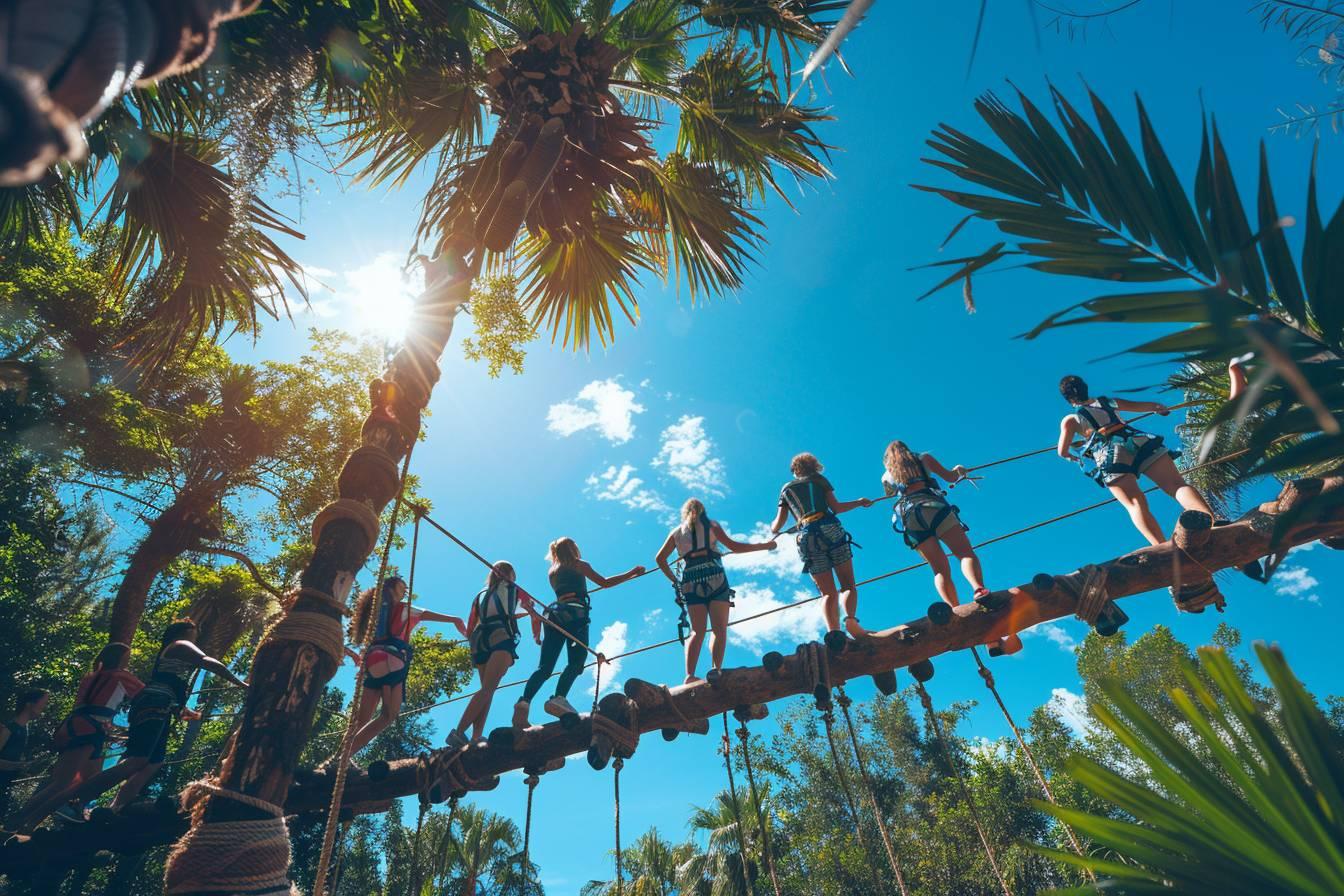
[
  {"x": 773, "y": 662},
  {"x": 751, "y": 712},
  {"x": 502, "y": 738},
  {"x": 1297, "y": 493},
  {"x": 1193, "y": 530},
  {"x": 379, "y": 769},
  {"x": 922, "y": 671},
  {"x": 886, "y": 682},
  {"x": 1043, "y": 581}
]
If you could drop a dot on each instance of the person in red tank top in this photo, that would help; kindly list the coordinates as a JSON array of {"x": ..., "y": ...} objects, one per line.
[
  {"x": 82, "y": 737},
  {"x": 388, "y": 659}
]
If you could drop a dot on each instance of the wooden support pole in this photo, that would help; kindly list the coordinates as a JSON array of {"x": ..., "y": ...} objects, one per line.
[{"x": 655, "y": 708}]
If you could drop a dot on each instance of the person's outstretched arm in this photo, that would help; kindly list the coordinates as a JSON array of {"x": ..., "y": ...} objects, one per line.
[
  {"x": 444, "y": 617},
  {"x": 838, "y": 507},
  {"x": 742, "y": 547},
  {"x": 530, "y": 606},
  {"x": 602, "y": 581},
  {"x": 780, "y": 519},
  {"x": 954, "y": 475},
  {"x": 664, "y": 553},
  {"x": 208, "y": 663},
  {"x": 1145, "y": 407}
]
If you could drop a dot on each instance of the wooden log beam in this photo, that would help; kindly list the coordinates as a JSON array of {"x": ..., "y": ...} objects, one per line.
[{"x": 684, "y": 707}]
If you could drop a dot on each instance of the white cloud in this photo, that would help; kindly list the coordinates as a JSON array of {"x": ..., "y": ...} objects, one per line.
[
  {"x": 1054, "y": 633},
  {"x": 782, "y": 562},
  {"x": 1071, "y": 709},
  {"x": 687, "y": 455},
  {"x": 615, "y": 639},
  {"x": 1296, "y": 581},
  {"x": 653, "y": 618},
  {"x": 622, "y": 485},
  {"x": 785, "y": 628},
  {"x": 603, "y": 405}
]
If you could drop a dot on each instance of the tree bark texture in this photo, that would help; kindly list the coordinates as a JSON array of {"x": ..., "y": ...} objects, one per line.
[{"x": 812, "y": 669}]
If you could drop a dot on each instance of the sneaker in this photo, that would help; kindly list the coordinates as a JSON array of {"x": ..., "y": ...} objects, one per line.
[
  {"x": 560, "y": 707},
  {"x": 520, "y": 710},
  {"x": 68, "y": 814},
  {"x": 456, "y": 739}
]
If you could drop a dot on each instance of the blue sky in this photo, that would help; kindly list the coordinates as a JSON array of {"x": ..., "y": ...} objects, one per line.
[{"x": 824, "y": 349}]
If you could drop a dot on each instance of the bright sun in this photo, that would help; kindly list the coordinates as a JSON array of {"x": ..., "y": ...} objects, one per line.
[{"x": 379, "y": 297}]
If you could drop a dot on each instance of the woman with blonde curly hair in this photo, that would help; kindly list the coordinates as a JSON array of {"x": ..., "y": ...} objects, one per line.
[
  {"x": 703, "y": 586},
  {"x": 823, "y": 544}
]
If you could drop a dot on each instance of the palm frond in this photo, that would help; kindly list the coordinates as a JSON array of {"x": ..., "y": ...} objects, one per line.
[
  {"x": 731, "y": 117},
  {"x": 696, "y": 214},
  {"x": 1267, "y": 817}
]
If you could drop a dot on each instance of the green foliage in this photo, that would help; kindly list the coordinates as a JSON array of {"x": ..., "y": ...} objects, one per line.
[
  {"x": 1080, "y": 202},
  {"x": 1242, "y": 799},
  {"x": 502, "y": 328}
]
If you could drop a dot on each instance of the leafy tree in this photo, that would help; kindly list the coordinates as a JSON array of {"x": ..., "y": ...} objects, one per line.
[{"x": 650, "y": 867}]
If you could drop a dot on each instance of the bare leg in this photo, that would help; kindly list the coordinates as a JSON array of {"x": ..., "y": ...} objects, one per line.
[
  {"x": 932, "y": 552},
  {"x": 98, "y": 784},
  {"x": 718, "y": 643},
  {"x": 64, "y": 779},
  {"x": 390, "y": 698},
  {"x": 957, "y": 542},
  {"x": 849, "y": 597},
  {"x": 830, "y": 602},
  {"x": 478, "y": 707},
  {"x": 134, "y": 785},
  {"x": 698, "y": 614},
  {"x": 1131, "y": 497},
  {"x": 1163, "y": 471}
]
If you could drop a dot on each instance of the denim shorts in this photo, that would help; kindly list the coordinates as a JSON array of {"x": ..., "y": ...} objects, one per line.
[{"x": 823, "y": 545}]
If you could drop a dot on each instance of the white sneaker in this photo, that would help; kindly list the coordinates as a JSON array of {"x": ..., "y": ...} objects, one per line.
[
  {"x": 520, "y": 710},
  {"x": 560, "y": 707}
]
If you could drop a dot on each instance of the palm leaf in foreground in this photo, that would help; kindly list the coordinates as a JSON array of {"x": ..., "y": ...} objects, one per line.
[
  {"x": 1267, "y": 818},
  {"x": 1083, "y": 201}
]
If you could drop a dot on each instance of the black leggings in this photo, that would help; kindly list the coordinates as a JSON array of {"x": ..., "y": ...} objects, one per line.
[{"x": 576, "y": 623}]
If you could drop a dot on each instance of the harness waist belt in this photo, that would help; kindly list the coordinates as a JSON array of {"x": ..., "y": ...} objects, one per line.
[
  {"x": 1113, "y": 429},
  {"x": 813, "y": 517},
  {"x": 101, "y": 711}
]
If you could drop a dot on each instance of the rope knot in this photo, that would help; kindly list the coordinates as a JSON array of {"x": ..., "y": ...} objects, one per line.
[
  {"x": 230, "y": 856},
  {"x": 988, "y": 676}
]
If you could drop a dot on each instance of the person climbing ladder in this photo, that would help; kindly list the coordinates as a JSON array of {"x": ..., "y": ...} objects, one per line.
[
  {"x": 571, "y": 618},
  {"x": 823, "y": 544},
  {"x": 1121, "y": 453},
  {"x": 493, "y": 638},
  {"x": 703, "y": 587},
  {"x": 153, "y": 711},
  {"x": 387, "y": 662},
  {"x": 81, "y": 739},
  {"x": 927, "y": 521}
]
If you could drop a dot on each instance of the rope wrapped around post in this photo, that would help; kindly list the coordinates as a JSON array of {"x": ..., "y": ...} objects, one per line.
[{"x": 231, "y": 856}]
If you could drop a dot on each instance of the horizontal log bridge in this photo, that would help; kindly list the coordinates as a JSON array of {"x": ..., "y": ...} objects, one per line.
[{"x": 1306, "y": 511}]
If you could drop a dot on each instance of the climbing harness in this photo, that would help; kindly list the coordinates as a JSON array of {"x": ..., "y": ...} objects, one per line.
[
  {"x": 494, "y": 615},
  {"x": 927, "y": 701},
  {"x": 1114, "y": 446},
  {"x": 892, "y": 858},
  {"x": 682, "y": 622},
  {"x": 727, "y": 750},
  {"x": 347, "y": 741},
  {"x": 767, "y": 849},
  {"x": 918, "y": 515},
  {"x": 988, "y": 676}
]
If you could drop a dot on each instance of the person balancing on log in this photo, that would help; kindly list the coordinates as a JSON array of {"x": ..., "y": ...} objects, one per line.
[
  {"x": 153, "y": 711},
  {"x": 927, "y": 521},
  {"x": 1121, "y": 453},
  {"x": 387, "y": 661},
  {"x": 570, "y": 618},
  {"x": 703, "y": 588},
  {"x": 823, "y": 544}
]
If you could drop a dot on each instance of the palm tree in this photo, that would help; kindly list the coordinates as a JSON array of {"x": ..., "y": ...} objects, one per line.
[
  {"x": 1265, "y": 818},
  {"x": 567, "y": 195},
  {"x": 479, "y": 852},
  {"x": 1081, "y": 203},
  {"x": 650, "y": 868},
  {"x": 721, "y": 869}
]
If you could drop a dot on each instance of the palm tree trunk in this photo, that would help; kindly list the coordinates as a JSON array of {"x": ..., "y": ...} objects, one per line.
[
  {"x": 171, "y": 534},
  {"x": 291, "y": 668}
]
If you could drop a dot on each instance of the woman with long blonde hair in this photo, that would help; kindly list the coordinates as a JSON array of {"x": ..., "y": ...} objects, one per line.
[
  {"x": 703, "y": 585},
  {"x": 823, "y": 544},
  {"x": 571, "y": 620},
  {"x": 387, "y": 662},
  {"x": 927, "y": 521},
  {"x": 493, "y": 636}
]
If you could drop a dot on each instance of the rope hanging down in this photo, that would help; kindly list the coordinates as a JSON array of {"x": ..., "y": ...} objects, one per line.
[
  {"x": 892, "y": 858},
  {"x": 616, "y": 785},
  {"x": 737, "y": 815},
  {"x": 807, "y": 600},
  {"x": 925, "y": 699},
  {"x": 531, "y": 781},
  {"x": 347, "y": 741},
  {"x": 988, "y": 676},
  {"x": 767, "y": 849},
  {"x": 828, "y": 719}
]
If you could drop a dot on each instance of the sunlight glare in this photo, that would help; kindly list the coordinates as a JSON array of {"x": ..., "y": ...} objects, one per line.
[{"x": 381, "y": 298}]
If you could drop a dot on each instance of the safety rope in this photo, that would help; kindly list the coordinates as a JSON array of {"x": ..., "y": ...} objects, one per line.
[
  {"x": 545, "y": 620},
  {"x": 616, "y": 784},
  {"x": 988, "y": 676},
  {"x": 869, "y": 581},
  {"x": 925, "y": 699},
  {"x": 892, "y": 858},
  {"x": 737, "y": 815},
  {"x": 531, "y": 781},
  {"x": 828, "y": 720},
  {"x": 413, "y": 879},
  {"x": 767, "y": 848},
  {"x": 415, "y": 550},
  {"x": 347, "y": 741}
]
